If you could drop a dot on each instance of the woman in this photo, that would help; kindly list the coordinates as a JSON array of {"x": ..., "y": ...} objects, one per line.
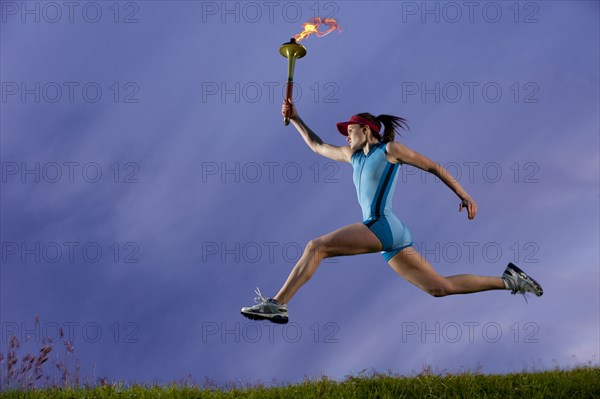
[{"x": 376, "y": 158}]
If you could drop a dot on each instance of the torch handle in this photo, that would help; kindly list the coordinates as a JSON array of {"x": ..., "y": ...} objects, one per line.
[{"x": 288, "y": 96}]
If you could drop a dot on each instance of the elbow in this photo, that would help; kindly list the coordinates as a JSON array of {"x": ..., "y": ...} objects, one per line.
[
  {"x": 441, "y": 173},
  {"x": 433, "y": 170}
]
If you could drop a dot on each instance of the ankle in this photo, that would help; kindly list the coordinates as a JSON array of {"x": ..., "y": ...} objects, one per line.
[{"x": 278, "y": 300}]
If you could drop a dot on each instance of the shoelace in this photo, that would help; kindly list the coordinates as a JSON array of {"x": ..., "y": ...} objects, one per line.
[
  {"x": 524, "y": 293},
  {"x": 520, "y": 289},
  {"x": 260, "y": 298}
]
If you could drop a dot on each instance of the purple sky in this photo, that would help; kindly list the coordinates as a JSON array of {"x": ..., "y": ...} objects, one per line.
[{"x": 149, "y": 184}]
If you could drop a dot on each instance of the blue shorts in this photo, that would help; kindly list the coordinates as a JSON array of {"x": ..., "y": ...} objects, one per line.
[{"x": 394, "y": 235}]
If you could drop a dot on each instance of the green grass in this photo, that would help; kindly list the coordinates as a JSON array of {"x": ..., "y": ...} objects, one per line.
[
  {"x": 581, "y": 382},
  {"x": 51, "y": 372}
]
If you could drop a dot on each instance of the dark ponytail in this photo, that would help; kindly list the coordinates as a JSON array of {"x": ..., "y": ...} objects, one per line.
[{"x": 390, "y": 125}]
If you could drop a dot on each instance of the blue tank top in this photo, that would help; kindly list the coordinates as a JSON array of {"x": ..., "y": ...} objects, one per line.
[{"x": 375, "y": 180}]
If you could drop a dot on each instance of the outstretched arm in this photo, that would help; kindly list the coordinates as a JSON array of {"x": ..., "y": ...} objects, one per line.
[
  {"x": 314, "y": 142},
  {"x": 402, "y": 154}
]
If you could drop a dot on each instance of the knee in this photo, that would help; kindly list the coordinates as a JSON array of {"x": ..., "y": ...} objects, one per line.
[
  {"x": 318, "y": 247},
  {"x": 439, "y": 290}
]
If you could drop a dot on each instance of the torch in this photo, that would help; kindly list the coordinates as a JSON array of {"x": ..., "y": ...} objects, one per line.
[{"x": 293, "y": 50}]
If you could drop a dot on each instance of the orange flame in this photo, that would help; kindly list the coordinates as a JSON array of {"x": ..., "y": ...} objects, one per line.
[{"x": 312, "y": 26}]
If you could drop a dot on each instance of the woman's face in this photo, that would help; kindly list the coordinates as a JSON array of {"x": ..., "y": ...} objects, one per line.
[{"x": 356, "y": 136}]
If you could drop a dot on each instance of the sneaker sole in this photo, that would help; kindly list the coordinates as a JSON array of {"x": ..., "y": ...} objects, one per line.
[
  {"x": 278, "y": 319},
  {"x": 536, "y": 285}
]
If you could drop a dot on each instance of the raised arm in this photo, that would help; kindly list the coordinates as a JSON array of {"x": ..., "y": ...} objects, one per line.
[
  {"x": 314, "y": 142},
  {"x": 399, "y": 153}
]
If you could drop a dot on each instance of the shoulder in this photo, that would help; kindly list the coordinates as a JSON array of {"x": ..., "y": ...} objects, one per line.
[
  {"x": 391, "y": 146},
  {"x": 396, "y": 152}
]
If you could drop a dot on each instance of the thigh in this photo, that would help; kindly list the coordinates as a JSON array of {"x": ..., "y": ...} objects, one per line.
[
  {"x": 353, "y": 239},
  {"x": 411, "y": 265}
]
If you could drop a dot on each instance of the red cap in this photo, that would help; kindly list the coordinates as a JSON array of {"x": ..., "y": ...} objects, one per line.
[{"x": 343, "y": 126}]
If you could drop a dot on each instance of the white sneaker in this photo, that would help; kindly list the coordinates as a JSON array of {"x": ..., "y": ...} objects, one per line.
[
  {"x": 517, "y": 281},
  {"x": 266, "y": 309}
]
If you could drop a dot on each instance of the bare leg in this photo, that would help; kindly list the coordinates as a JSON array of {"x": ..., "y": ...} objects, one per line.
[
  {"x": 350, "y": 240},
  {"x": 413, "y": 267}
]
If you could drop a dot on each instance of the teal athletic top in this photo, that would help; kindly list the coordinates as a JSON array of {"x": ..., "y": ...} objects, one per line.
[{"x": 375, "y": 180}]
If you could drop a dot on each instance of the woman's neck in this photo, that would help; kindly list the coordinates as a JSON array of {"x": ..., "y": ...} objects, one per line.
[{"x": 369, "y": 145}]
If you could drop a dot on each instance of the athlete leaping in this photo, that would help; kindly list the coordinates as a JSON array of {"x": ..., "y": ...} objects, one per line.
[{"x": 376, "y": 158}]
